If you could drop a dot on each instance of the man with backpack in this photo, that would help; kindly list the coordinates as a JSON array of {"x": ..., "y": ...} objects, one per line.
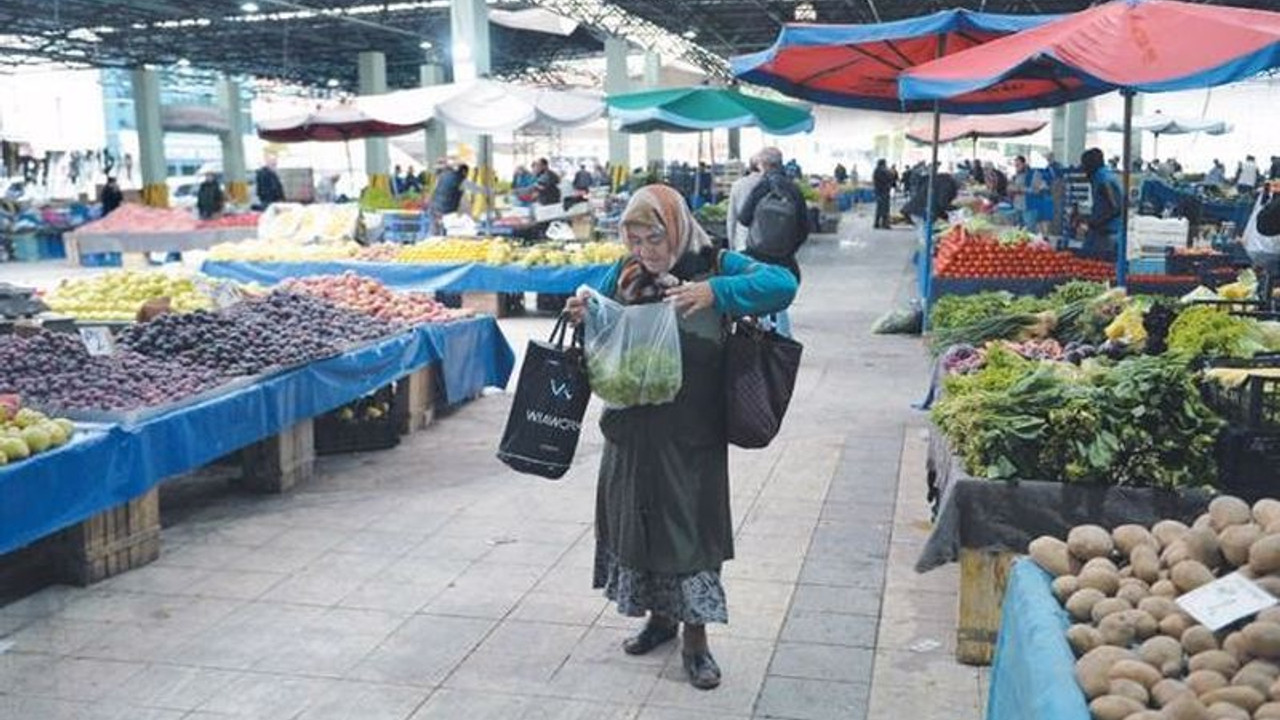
[{"x": 776, "y": 214}]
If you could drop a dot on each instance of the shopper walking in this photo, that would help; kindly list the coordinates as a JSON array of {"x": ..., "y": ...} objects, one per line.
[
  {"x": 1103, "y": 225},
  {"x": 110, "y": 196},
  {"x": 882, "y": 181},
  {"x": 841, "y": 173},
  {"x": 1247, "y": 176},
  {"x": 741, "y": 189},
  {"x": 269, "y": 188},
  {"x": 663, "y": 523},
  {"x": 775, "y": 180},
  {"x": 209, "y": 197}
]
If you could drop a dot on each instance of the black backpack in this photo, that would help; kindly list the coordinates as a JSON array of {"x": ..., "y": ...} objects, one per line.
[{"x": 773, "y": 226}]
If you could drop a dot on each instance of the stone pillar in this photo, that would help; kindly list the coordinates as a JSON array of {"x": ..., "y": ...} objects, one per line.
[
  {"x": 653, "y": 80},
  {"x": 1058, "y": 128},
  {"x": 1075, "y": 129},
  {"x": 1136, "y": 136},
  {"x": 372, "y": 80},
  {"x": 469, "y": 25},
  {"x": 151, "y": 162},
  {"x": 234, "y": 171},
  {"x": 615, "y": 82},
  {"x": 437, "y": 145}
]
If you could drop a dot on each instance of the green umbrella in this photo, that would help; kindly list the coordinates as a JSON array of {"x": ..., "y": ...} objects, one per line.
[{"x": 694, "y": 109}]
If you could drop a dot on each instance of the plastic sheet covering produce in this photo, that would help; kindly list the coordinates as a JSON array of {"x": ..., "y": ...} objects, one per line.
[
  {"x": 464, "y": 277},
  {"x": 1033, "y": 676},
  {"x": 633, "y": 351}
]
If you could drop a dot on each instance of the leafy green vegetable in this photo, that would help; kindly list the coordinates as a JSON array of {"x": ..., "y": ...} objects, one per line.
[
  {"x": 1075, "y": 291},
  {"x": 1207, "y": 331},
  {"x": 642, "y": 376}
]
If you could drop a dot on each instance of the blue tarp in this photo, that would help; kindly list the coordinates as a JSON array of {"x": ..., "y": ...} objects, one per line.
[
  {"x": 111, "y": 464},
  {"x": 463, "y": 277},
  {"x": 1033, "y": 676},
  {"x": 1160, "y": 196}
]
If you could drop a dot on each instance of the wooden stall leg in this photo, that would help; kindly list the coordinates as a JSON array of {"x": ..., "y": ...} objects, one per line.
[
  {"x": 983, "y": 576},
  {"x": 113, "y": 541},
  {"x": 278, "y": 463},
  {"x": 417, "y": 392},
  {"x": 72, "y": 247}
]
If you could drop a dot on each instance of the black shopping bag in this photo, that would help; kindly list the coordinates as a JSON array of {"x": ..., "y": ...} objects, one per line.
[
  {"x": 760, "y": 374},
  {"x": 546, "y": 414}
]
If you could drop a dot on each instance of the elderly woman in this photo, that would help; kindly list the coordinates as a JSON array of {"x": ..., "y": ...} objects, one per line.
[{"x": 663, "y": 526}]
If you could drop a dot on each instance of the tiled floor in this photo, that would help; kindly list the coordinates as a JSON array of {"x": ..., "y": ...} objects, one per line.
[{"x": 429, "y": 582}]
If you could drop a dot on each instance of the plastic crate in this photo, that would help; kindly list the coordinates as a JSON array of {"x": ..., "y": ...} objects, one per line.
[
  {"x": 52, "y": 247},
  {"x": 111, "y": 259},
  {"x": 1183, "y": 264},
  {"x": 354, "y": 428},
  {"x": 26, "y": 248},
  {"x": 1253, "y": 405},
  {"x": 1248, "y": 463}
]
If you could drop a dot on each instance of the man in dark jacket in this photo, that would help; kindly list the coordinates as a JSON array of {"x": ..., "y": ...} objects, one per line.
[
  {"x": 209, "y": 197},
  {"x": 882, "y": 179},
  {"x": 270, "y": 189},
  {"x": 774, "y": 177},
  {"x": 111, "y": 196},
  {"x": 448, "y": 193},
  {"x": 1104, "y": 223},
  {"x": 582, "y": 180},
  {"x": 546, "y": 185}
]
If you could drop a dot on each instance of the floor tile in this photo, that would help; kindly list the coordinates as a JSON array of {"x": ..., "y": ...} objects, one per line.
[{"x": 797, "y": 699}]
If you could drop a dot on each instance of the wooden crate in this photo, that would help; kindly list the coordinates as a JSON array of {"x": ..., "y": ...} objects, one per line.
[
  {"x": 113, "y": 541},
  {"x": 278, "y": 463},
  {"x": 417, "y": 393},
  {"x": 983, "y": 576}
]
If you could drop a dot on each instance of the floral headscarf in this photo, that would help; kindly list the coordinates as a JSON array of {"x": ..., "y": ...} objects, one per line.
[{"x": 661, "y": 207}]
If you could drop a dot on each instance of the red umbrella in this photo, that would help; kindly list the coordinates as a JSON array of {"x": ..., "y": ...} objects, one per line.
[
  {"x": 334, "y": 123},
  {"x": 978, "y": 127},
  {"x": 1127, "y": 45}
]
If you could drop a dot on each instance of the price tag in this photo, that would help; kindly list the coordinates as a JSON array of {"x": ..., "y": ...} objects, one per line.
[
  {"x": 224, "y": 296},
  {"x": 1225, "y": 600},
  {"x": 98, "y": 341}
]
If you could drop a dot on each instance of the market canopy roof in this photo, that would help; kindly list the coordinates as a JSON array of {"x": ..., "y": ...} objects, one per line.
[
  {"x": 694, "y": 109},
  {"x": 977, "y": 127},
  {"x": 485, "y": 106},
  {"x": 1131, "y": 45},
  {"x": 1161, "y": 124},
  {"x": 858, "y": 65},
  {"x": 333, "y": 123}
]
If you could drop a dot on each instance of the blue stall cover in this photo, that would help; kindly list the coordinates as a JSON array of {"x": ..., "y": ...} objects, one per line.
[
  {"x": 1161, "y": 196},
  {"x": 1033, "y": 676},
  {"x": 456, "y": 277},
  {"x": 109, "y": 465}
]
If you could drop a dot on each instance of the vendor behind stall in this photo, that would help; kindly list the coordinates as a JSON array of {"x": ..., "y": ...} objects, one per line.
[
  {"x": 1103, "y": 224},
  {"x": 209, "y": 197}
]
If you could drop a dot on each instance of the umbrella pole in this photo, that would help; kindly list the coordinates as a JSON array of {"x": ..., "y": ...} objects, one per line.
[
  {"x": 1122, "y": 252},
  {"x": 927, "y": 262}
]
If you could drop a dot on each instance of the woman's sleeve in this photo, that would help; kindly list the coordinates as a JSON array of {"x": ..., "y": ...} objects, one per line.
[
  {"x": 747, "y": 287},
  {"x": 608, "y": 285}
]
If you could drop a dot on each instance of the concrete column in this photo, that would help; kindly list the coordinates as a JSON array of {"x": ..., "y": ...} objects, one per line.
[
  {"x": 615, "y": 81},
  {"x": 234, "y": 171},
  {"x": 437, "y": 145},
  {"x": 1139, "y": 103},
  {"x": 735, "y": 143},
  {"x": 372, "y": 80},
  {"x": 1058, "y": 128},
  {"x": 151, "y": 162},
  {"x": 652, "y": 80},
  {"x": 469, "y": 26},
  {"x": 1075, "y": 129}
]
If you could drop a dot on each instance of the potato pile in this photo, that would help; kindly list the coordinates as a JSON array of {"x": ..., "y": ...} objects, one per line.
[{"x": 1140, "y": 656}]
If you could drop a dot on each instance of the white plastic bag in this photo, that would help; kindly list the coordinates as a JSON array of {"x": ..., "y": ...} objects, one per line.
[
  {"x": 633, "y": 351},
  {"x": 1259, "y": 246}
]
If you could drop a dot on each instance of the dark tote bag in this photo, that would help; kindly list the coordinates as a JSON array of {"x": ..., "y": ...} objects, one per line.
[
  {"x": 760, "y": 374},
  {"x": 546, "y": 413}
]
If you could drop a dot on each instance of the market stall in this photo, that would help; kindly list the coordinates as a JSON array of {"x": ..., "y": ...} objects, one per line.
[{"x": 135, "y": 230}]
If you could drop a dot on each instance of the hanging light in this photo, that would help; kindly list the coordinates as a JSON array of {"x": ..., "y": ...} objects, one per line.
[
  {"x": 333, "y": 82},
  {"x": 425, "y": 45},
  {"x": 806, "y": 12},
  {"x": 183, "y": 62},
  {"x": 249, "y": 7},
  {"x": 689, "y": 34}
]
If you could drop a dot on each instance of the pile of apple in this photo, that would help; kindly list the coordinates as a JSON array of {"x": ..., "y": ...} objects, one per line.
[
  {"x": 25, "y": 432},
  {"x": 118, "y": 295},
  {"x": 366, "y": 295}
]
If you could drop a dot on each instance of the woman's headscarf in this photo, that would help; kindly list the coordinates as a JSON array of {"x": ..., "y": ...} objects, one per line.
[{"x": 658, "y": 206}]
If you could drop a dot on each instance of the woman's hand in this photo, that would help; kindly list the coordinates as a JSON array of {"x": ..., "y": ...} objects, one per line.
[
  {"x": 689, "y": 298},
  {"x": 576, "y": 308}
]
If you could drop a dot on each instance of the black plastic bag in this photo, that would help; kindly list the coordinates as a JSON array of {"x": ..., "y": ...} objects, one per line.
[{"x": 546, "y": 414}]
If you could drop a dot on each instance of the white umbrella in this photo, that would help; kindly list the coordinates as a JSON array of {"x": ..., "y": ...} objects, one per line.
[
  {"x": 485, "y": 107},
  {"x": 1161, "y": 124}
]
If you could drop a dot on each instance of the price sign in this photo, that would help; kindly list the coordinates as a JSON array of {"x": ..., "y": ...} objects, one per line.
[
  {"x": 1225, "y": 600},
  {"x": 98, "y": 341},
  {"x": 224, "y": 296}
]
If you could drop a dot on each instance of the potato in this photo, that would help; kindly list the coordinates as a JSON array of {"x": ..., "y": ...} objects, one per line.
[
  {"x": 1271, "y": 528},
  {"x": 1267, "y": 711},
  {"x": 1162, "y": 653},
  {"x": 1174, "y": 624},
  {"x": 1274, "y": 692},
  {"x": 1117, "y": 630},
  {"x": 1133, "y": 592},
  {"x": 1164, "y": 588},
  {"x": 1089, "y": 541},
  {"x": 1236, "y": 541},
  {"x": 1266, "y": 511},
  {"x": 1262, "y": 639},
  {"x": 1271, "y": 614},
  {"x": 1130, "y": 689},
  {"x": 1092, "y": 669},
  {"x": 1238, "y": 695},
  {"x": 1145, "y": 563},
  {"x": 1205, "y": 681},
  {"x": 1228, "y": 510},
  {"x": 1064, "y": 587},
  {"x": 1265, "y": 667},
  {"x": 1202, "y": 545},
  {"x": 1081, "y": 603},
  {"x": 1204, "y": 521},
  {"x": 1083, "y": 638},
  {"x": 1102, "y": 562},
  {"x": 1270, "y": 583},
  {"x": 1190, "y": 574},
  {"x": 1110, "y": 606},
  {"x": 1165, "y": 691},
  {"x": 1114, "y": 707},
  {"x": 1264, "y": 555},
  {"x": 1255, "y": 679},
  {"x": 1144, "y": 626},
  {"x": 1198, "y": 639},
  {"x": 1166, "y": 531},
  {"x": 1135, "y": 670},
  {"x": 1184, "y": 707},
  {"x": 1227, "y": 711},
  {"x": 1176, "y": 553},
  {"x": 1108, "y": 581},
  {"x": 1158, "y": 607},
  {"x": 1237, "y": 647},
  {"x": 1051, "y": 554},
  {"x": 1125, "y": 572},
  {"x": 1128, "y": 537},
  {"x": 1219, "y": 661}
]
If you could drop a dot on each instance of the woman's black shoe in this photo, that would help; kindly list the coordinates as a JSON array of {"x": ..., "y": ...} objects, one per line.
[
  {"x": 703, "y": 671},
  {"x": 649, "y": 638}
]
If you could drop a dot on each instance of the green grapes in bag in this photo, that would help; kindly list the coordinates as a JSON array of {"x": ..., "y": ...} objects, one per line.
[{"x": 633, "y": 352}]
